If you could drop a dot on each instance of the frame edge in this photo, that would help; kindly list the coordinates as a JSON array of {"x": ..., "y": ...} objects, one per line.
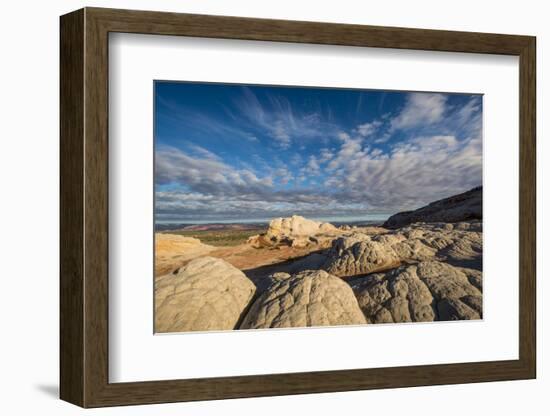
[
  {"x": 71, "y": 291},
  {"x": 528, "y": 208}
]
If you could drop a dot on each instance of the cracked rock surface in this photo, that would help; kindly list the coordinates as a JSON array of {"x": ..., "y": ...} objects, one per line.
[
  {"x": 458, "y": 244},
  {"x": 427, "y": 291},
  {"x": 308, "y": 298},
  {"x": 207, "y": 294}
]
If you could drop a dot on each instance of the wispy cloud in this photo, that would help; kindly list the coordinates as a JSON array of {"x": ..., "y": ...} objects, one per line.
[
  {"x": 306, "y": 160},
  {"x": 197, "y": 120},
  {"x": 280, "y": 120},
  {"x": 368, "y": 129},
  {"x": 205, "y": 174},
  {"x": 420, "y": 109}
]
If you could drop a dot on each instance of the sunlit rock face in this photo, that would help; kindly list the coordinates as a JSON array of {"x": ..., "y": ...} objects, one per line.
[
  {"x": 308, "y": 298},
  {"x": 295, "y": 231},
  {"x": 208, "y": 294}
]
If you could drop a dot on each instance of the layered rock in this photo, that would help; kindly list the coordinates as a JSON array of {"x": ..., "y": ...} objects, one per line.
[
  {"x": 462, "y": 207},
  {"x": 207, "y": 294},
  {"x": 427, "y": 291},
  {"x": 309, "y": 298},
  {"x": 356, "y": 254},
  {"x": 295, "y": 231}
]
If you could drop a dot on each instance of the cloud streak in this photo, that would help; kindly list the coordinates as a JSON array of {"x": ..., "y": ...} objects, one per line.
[{"x": 280, "y": 120}]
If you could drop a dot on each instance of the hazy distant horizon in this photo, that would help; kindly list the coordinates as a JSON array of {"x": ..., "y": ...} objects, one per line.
[
  {"x": 236, "y": 153},
  {"x": 341, "y": 219}
]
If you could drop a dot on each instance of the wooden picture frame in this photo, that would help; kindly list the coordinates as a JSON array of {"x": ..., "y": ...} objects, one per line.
[{"x": 84, "y": 207}]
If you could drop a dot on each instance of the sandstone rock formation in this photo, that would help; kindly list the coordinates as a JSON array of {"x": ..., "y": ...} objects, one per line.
[
  {"x": 314, "y": 274},
  {"x": 172, "y": 250},
  {"x": 427, "y": 291},
  {"x": 358, "y": 253},
  {"x": 462, "y": 207},
  {"x": 206, "y": 294},
  {"x": 295, "y": 231},
  {"x": 309, "y": 298}
]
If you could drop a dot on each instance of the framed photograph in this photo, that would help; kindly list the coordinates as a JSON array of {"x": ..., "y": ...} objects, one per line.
[{"x": 255, "y": 207}]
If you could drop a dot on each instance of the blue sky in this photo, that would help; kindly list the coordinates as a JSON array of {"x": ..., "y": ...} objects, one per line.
[{"x": 227, "y": 152}]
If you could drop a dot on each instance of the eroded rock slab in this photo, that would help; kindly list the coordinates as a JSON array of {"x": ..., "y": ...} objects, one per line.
[
  {"x": 309, "y": 298},
  {"x": 427, "y": 291},
  {"x": 205, "y": 295}
]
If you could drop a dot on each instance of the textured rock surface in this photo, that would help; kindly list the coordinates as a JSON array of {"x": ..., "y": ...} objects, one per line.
[
  {"x": 462, "y": 207},
  {"x": 359, "y": 254},
  {"x": 206, "y": 294},
  {"x": 419, "y": 272},
  {"x": 427, "y": 291},
  {"x": 309, "y": 298},
  {"x": 172, "y": 250},
  {"x": 457, "y": 244},
  {"x": 295, "y": 231}
]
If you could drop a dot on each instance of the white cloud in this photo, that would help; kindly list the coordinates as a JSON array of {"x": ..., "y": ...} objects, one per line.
[
  {"x": 205, "y": 173},
  {"x": 428, "y": 144},
  {"x": 202, "y": 152},
  {"x": 420, "y": 109},
  {"x": 325, "y": 156},
  {"x": 469, "y": 117},
  {"x": 312, "y": 167},
  {"x": 376, "y": 152},
  {"x": 280, "y": 133},
  {"x": 413, "y": 174},
  {"x": 284, "y": 176},
  {"x": 368, "y": 129},
  {"x": 208, "y": 188},
  {"x": 349, "y": 151},
  {"x": 383, "y": 138},
  {"x": 296, "y": 159},
  {"x": 343, "y": 136}
]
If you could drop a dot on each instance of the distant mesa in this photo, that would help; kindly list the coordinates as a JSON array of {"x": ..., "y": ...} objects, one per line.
[
  {"x": 462, "y": 207},
  {"x": 216, "y": 226}
]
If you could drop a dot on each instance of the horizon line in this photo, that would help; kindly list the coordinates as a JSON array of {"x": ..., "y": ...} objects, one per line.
[{"x": 354, "y": 218}]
